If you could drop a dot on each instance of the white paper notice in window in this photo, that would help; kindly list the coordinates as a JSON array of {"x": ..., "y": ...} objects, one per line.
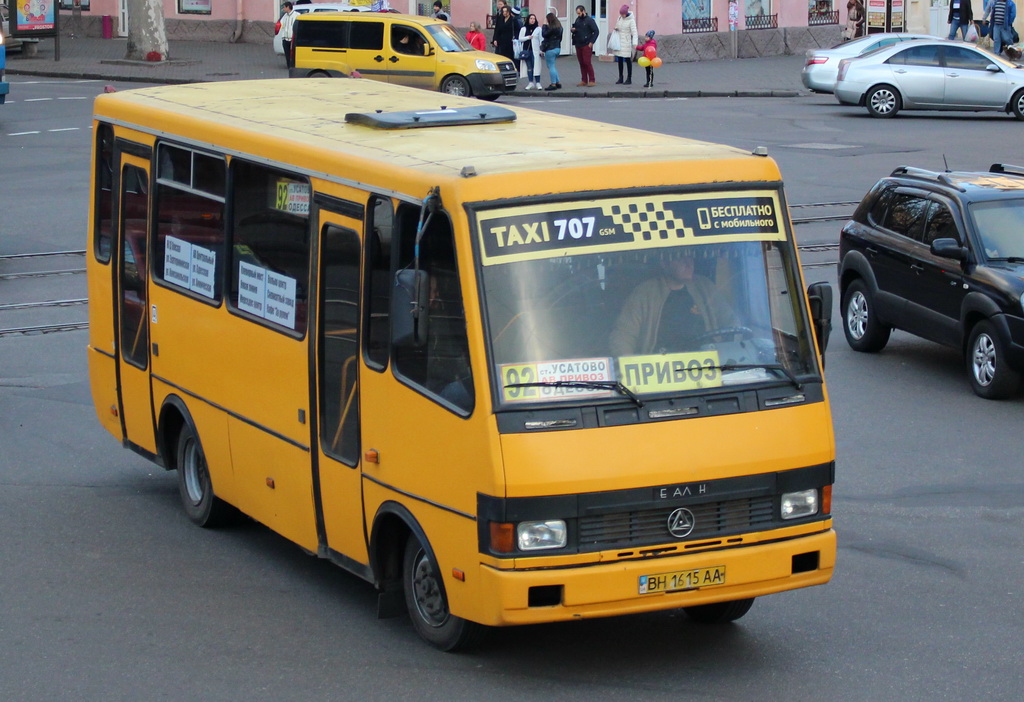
[{"x": 266, "y": 294}]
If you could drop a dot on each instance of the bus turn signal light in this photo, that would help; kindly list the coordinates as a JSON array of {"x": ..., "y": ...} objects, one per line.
[
  {"x": 826, "y": 500},
  {"x": 502, "y": 537}
]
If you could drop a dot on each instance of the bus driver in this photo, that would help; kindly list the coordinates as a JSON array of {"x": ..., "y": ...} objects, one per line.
[{"x": 670, "y": 312}]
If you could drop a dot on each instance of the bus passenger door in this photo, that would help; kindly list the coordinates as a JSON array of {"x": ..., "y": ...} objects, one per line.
[
  {"x": 339, "y": 464},
  {"x": 134, "y": 395}
]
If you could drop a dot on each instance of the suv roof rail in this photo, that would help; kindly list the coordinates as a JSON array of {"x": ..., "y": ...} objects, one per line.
[
  {"x": 1007, "y": 168},
  {"x": 925, "y": 174}
]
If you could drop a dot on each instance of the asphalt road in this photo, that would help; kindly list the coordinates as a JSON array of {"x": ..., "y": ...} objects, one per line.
[{"x": 107, "y": 592}]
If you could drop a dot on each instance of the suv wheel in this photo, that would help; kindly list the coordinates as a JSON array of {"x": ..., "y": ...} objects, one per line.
[
  {"x": 864, "y": 331},
  {"x": 883, "y": 101},
  {"x": 990, "y": 377}
]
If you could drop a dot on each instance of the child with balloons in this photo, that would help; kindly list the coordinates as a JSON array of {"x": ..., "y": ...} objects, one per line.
[{"x": 649, "y": 57}]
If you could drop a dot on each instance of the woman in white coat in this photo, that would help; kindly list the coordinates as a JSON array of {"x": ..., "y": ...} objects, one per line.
[
  {"x": 530, "y": 39},
  {"x": 625, "y": 32}
]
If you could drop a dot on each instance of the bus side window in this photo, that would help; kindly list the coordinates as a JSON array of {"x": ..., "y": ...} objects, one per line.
[
  {"x": 189, "y": 244},
  {"x": 441, "y": 365},
  {"x": 270, "y": 244},
  {"x": 380, "y": 223},
  {"x": 104, "y": 186}
]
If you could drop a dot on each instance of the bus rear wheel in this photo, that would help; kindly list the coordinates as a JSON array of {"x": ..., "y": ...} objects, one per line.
[
  {"x": 427, "y": 602},
  {"x": 719, "y": 612},
  {"x": 202, "y": 506}
]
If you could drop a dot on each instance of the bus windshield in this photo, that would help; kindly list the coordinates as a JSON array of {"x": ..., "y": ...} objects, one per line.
[
  {"x": 642, "y": 297},
  {"x": 448, "y": 39}
]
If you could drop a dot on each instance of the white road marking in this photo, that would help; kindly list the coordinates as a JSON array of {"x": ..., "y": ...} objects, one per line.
[
  {"x": 22, "y": 133},
  {"x": 65, "y": 129},
  {"x": 36, "y": 99}
]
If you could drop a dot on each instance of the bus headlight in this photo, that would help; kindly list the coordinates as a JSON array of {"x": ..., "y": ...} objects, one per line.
[
  {"x": 485, "y": 65},
  {"x": 534, "y": 536},
  {"x": 799, "y": 504}
]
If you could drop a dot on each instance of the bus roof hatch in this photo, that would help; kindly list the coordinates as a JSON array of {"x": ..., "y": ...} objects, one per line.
[{"x": 443, "y": 117}]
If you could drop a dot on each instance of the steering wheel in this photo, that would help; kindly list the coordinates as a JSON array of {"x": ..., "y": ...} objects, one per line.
[{"x": 741, "y": 332}]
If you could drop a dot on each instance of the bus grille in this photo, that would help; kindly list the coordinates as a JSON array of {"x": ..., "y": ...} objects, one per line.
[{"x": 650, "y": 526}]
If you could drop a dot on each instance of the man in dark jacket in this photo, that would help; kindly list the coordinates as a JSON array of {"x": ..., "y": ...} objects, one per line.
[
  {"x": 960, "y": 17},
  {"x": 584, "y": 36}
]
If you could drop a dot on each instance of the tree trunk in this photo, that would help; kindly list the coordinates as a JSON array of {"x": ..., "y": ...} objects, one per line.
[{"x": 147, "y": 35}]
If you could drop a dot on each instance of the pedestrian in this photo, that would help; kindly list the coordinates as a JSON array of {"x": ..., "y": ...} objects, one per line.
[
  {"x": 627, "y": 36},
  {"x": 551, "y": 45},
  {"x": 475, "y": 37},
  {"x": 1001, "y": 15},
  {"x": 287, "y": 24},
  {"x": 504, "y": 33},
  {"x": 439, "y": 13},
  {"x": 584, "y": 36},
  {"x": 854, "y": 19},
  {"x": 960, "y": 17},
  {"x": 530, "y": 38},
  {"x": 643, "y": 48}
]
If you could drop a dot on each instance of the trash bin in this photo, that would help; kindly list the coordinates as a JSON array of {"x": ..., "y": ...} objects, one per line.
[{"x": 108, "y": 27}]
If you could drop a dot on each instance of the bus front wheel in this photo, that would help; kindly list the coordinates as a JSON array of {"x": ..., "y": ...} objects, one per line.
[
  {"x": 427, "y": 602},
  {"x": 719, "y": 612},
  {"x": 202, "y": 506}
]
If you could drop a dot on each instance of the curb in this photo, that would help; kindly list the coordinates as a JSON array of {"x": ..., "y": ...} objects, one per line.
[{"x": 775, "y": 93}]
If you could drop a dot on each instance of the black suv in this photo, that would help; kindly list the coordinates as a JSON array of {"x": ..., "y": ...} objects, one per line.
[{"x": 941, "y": 255}]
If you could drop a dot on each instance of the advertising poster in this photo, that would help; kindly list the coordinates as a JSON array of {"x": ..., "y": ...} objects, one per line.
[{"x": 34, "y": 17}]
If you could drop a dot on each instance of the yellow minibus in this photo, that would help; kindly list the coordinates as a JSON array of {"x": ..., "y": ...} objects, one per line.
[{"x": 575, "y": 376}]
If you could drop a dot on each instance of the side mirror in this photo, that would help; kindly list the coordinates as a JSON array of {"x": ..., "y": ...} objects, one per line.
[
  {"x": 410, "y": 296},
  {"x": 992, "y": 68},
  {"x": 949, "y": 248},
  {"x": 820, "y": 297}
]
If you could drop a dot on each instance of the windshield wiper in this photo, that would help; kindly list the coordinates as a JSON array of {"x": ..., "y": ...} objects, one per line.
[
  {"x": 598, "y": 384},
  {"x": 1008, "y": 259},
  {"x": 766, "y": 366}
]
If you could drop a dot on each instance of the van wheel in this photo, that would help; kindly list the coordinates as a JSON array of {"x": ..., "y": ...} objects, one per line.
[
  {"x": 883, "y": 101},
  {"x": 456, "y": 85},
  {"x": 202, "y": 506},
  {"x": 864, "y": 331},
  {"x": 719, "y": 612},
  {"x": 427, "y": 602},
  {"x": 990, "y": 377},
  {"x": 319, "y": 74}
]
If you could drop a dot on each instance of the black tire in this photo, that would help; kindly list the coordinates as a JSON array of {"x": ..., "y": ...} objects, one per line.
[
  {"x": 455, "y": 85},
  {"x": 427, "y": 602},
  {"x": 201, "y": 505},
  {"x": 883, "y": 101},
  {"x": 864, "y": 331},
  {"x": 990, "y": 377},
  {"x": 1017, "y": 104},
  {"x": 319, "y": 74},
  {"x": 719, "y": 612}
]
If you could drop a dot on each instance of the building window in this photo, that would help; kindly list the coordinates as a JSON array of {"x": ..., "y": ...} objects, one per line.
[
  {"x": 821, "y": 12},
  {"x": 759, "y": 15},
  {"x": 697, "y": 17},
  {"x": 195, "y": 7}
]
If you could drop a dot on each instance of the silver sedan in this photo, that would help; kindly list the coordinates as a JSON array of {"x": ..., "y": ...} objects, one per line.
[
  {"x": 822, "y": 65},
  {"x": 931, "y": 75}
]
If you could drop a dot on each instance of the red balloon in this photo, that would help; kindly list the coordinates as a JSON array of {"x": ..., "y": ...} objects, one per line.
[
  {"x": 656, "y": 62},
  {"x": 650, "y": 52}
]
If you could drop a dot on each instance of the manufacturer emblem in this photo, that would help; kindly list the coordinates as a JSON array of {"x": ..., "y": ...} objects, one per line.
[{"x": 681, "y": 522}]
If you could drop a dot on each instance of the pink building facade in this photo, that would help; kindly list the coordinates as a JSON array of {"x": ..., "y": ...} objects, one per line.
[{"x": 687, "y": 30}]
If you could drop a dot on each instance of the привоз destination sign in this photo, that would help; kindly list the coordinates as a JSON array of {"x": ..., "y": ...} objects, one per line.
[{"x": 541, "y": 231}]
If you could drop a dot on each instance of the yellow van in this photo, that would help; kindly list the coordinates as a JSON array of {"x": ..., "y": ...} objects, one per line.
[{"x": 419, "y": 52}]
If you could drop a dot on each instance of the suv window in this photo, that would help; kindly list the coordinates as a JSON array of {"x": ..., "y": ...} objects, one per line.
[
  {"x": 906, "y": 215},
  {"x": 959, "y": 57},
  {"x": 917, "y": 56},
  {"x": 877, "y": 214},
  {"x": 941, "y": 225}
]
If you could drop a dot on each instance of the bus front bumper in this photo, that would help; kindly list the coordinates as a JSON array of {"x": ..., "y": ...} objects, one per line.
[{"x": 609, "y": 589}]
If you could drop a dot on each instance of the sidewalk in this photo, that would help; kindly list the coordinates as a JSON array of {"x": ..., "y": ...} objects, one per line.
[{"x": 195, "y": 62}]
